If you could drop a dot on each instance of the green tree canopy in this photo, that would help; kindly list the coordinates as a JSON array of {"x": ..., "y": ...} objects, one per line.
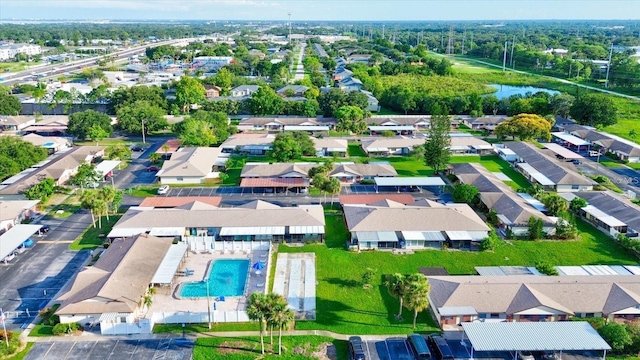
[
  {"x": 195, "y": 132},
  {"x": 594, "y": 110},
  {"x": 525, "y": 127},
  {"x": 265, "y": 101},
  {"x": 465, "y": 193},
  {"x": 285, "y": 148},
  {"x": 555, "y": 204},
  {"x": 9, "y": 104},
  {"x": 436, "y": 147},
  {"x": 131, "y": 118},
  {"x": 129, "y": 96},
  {"x": 189, "y": 91},
  {"x": 17, "y": 155}
]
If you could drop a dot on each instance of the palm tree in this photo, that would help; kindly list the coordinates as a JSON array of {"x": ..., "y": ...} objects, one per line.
[
  {"x": 107, "y": 194},
  {"x": 87, "y": 200},
  {"x": 257, "y": 310},
  {"x": 416, "y": 295},
  {"x": 396, "y": 286},
  {"x": 333, "y": 187},
  {"x": 277, "y": 305},
  {"x": 283, "y": 320}
]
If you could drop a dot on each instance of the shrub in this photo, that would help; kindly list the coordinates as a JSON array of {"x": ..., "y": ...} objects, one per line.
[
  {"x": 9, "y": 335},
  {"x": 492, "y": 218},
  {"x": 535, "y": 226},
  {"x": 61, "y": 329},
  {"x": 491, "y": 242},
  {"x": 105, "y": 244},
  {"x": 546, "y": 268}
]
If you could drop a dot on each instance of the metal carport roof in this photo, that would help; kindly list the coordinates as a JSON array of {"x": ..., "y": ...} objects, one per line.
[
  {"x": 14, "y": 237},
  {"x": 409, "y": 181},
  {"x": 170, "y": 263},
  {"x": 534, "y": 336}
]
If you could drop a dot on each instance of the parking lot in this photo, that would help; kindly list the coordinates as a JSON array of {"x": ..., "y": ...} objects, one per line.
[{"x": 157, "y": 349}]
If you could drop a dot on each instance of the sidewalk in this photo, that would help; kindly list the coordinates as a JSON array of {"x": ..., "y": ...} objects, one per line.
[{"x": 192, "y": 336}]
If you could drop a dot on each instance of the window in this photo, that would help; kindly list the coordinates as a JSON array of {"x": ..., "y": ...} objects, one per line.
[
  {"x": 482, "y": 315},
  {"x": 494, "y": 316},
  {"x": 590, "y": 315},
  {"x": 575, "y": 187},
  {"x": 179, "y": 178},
  {"x": 123, "y": 319}
]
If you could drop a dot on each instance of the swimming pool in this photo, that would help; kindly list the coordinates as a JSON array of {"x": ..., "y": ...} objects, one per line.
[{"x": 227, "y": 277}]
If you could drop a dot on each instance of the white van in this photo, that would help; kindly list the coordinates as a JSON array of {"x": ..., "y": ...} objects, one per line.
[{"x": 594, "y": 153}]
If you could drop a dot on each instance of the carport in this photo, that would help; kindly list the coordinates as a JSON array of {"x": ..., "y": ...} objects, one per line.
[
  {"x": 106, "y": 167},
  {"x": 573, "y": 142},
  {"x": 170, "y": 264},
  {"x": 15, "y": 236},
  {"x": 400, "y": 182},
  {"x": 275, "y": 183},
  {"x": 534, "y": 336}
]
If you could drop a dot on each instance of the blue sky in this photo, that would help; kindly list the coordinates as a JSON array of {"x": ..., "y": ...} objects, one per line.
[{"x": 321, "y": 9}]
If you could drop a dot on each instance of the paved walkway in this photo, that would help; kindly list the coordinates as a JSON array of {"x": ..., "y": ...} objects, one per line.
[{"x": 95, "y": 337}]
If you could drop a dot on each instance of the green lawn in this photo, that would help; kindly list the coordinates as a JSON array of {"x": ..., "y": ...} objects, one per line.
[
  {"x": 143, "y": 191},
  {"x": 407, "y": 166},
  {"x": 354, "y": 149},
  {"x": 200, "y": 328},
  {"x": 107, "y": 142},
  {"x": 66, "y": 209},
  {"x": 345, "y": 307},
  {"x": 293, "y": 347},
  {"x": 494, "y": 163},
  {"x": 92, "y": 238},
  {"x": 385, "y": 111},
  {"x": 22, "y": 354}
]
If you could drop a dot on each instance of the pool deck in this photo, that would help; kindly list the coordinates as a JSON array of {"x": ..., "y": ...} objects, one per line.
[{"x": 166, "y": 301}]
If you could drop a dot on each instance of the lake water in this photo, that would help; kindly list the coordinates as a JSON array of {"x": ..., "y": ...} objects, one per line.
[{"x": 504, "y": 91}]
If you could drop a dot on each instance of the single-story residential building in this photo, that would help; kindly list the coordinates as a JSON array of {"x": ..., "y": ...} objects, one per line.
[
  {"x": 488, "y": 123},
  {"x": 292, "y": 90},
  {"x": 60, "y": 167},
  {"x": 168, "y": 148},
  {"x": 526, "y": 298},
  {"x": 342, "y": 74},
  {"x": 53, "y": 144},
  {"x": 385, "y": 146},
  {"x": 373, "y": 198},
  {"x": 282, "y": 123},
  {"x": 250, "y": 144},
  {"x": 419, "y": 122},
  {"x": 422, "y": 224},
  {"x": 350, "y": 84},
  {"x": 330, "y": 147},
  {"x": 541, "y": 167},
  {"x": 49, "y": 125},
  {"x": 193, "y": 165},
  {"x": 244, "y": 90},
  {"x": 110, "y": 292},
  {"x": 345, "y": 172},
  {"x": 609, "y": 212},
  {"x": 373, "y": 104},
  {"x": 461, "y": 143},
  {"x": 13, "y": 212},
  {"x": 212, "y": 91},
  {"x": 512, "y": 210},
  {"x": 253, "y": 223},
  {"x": 15, "y": 123}
]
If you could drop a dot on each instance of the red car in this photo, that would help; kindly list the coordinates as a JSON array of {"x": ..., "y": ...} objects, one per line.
[{"x": 153, "y": 168}]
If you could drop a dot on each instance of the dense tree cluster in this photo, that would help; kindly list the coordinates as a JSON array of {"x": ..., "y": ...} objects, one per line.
[
  {"x": 89, "y": 124},
  {"x": 17, "y": 155},
  {"x": 525, "y": 127},
  {"x": 290, "y": 146},
  {"x": 204, "y": 128}
]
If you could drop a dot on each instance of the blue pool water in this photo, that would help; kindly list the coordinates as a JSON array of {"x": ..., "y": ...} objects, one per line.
[{"x": 226, "y": 278}]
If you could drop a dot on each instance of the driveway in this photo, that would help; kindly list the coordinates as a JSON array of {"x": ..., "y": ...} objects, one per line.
[
  {"x": 157, "y": 349},
  {"x": 67, "y": 229}
]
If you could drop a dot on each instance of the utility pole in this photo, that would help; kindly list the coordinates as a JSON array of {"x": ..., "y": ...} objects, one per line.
[
  {"x": 143, "y": 140},
  {"x": 442, "y": 39},
  {"x": 606, "y": 81},
  {"x": 383, "y": 31},
  {"x": 464, "y": 38},
  {"x": 504, "y": 59},
  {"x": 513, "y": 46},
  {"x": 450, "y": 43},
  {"x": 289, "y": 28},
  {"x": 208, "y": 303}
]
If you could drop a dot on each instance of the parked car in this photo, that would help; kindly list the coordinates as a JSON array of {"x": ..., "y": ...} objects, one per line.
[
  {"x": 577, "y": 161},
  {"x": 526, "y": 355},
  {"x": 44, "y": 229},
  {"x": 137, "y": 148},
  {"x": 356, "y": 348},
  {"x": 439, "y": 347},
  {"x": 164, "y": 189},
  {"x": 92, "y": 185},
  {"x": 9, "y": 257},
  {"x": 419, "y": 347},
  {"x": 153, "y": 169},
  {"x": 28, "y": 243}
]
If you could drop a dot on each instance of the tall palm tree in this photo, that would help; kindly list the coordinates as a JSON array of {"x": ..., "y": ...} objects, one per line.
[
  {"x": 396, "y": 286},
  {"x": 283, "y": 319},
  {"x": 87, "y": 200},
  {"x": 416, "y": 296},
  {"x": 277, "y": 305},
  {"x": 107, "y": 194},
  {"x": 257, "y": 310}
]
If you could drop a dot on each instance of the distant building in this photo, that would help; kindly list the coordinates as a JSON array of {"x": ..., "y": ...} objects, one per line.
[
  {"x": 244, "y": 90},
  {"x": 213, "y": 62},
  {"x": 212, "y": 91},
  {"x": 9, "y": 51}
]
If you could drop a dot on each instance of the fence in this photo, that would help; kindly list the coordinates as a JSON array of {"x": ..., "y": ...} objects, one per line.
[
  {"x": 188, "y": 317},
  {"x": 204, "y": 243}
]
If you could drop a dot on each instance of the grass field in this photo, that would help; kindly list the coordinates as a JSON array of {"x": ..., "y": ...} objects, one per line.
[
  {"x": 345, "y": 307},
  {"x": 293, "y": 347},
  {"x": 92, "y": 238},
  {"x": 355, "y": 150},
  {"x": 494, "y": 163}
]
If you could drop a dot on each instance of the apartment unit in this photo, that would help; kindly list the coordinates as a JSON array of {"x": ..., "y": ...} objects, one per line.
[
  {"x": 14, "y": 212},
  {"x": 193, "y": 165},
  {"x": 346, "y": 172},
  {"x": 249, "y": 144},
  {"x": 422, "y": 224},
  {"x": 287, "y": 123}
]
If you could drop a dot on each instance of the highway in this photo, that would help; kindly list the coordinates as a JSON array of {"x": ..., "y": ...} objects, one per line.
[{"x": 49, "y": 70}]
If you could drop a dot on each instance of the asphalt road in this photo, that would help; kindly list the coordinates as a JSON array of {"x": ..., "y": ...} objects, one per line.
[
  {"x": 67, "y": 229},
  {"x": 34, "y": 277},
  {"x": 161, "y": 349}
]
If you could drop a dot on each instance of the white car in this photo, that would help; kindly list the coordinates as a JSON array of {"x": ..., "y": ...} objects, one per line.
[{"x": 164, "y": 189}]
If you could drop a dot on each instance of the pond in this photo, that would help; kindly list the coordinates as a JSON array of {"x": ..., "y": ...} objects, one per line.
[{"x": 504, "y": 91}]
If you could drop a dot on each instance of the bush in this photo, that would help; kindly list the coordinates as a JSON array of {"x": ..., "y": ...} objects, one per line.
[
  {"x": 546, "y": 268},
  {"x": 61, "y": 329},
  {"x": 367, "y": 182},
  {"x": 106, "y": 244},
  {"x": 9, "y": 335},
  {"x": 491, "y": 242}
]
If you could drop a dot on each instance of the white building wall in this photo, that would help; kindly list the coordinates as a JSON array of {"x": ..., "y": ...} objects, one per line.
[
  {"x": 185, "y": 180},
  {"x": 80, "y": 318}
]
